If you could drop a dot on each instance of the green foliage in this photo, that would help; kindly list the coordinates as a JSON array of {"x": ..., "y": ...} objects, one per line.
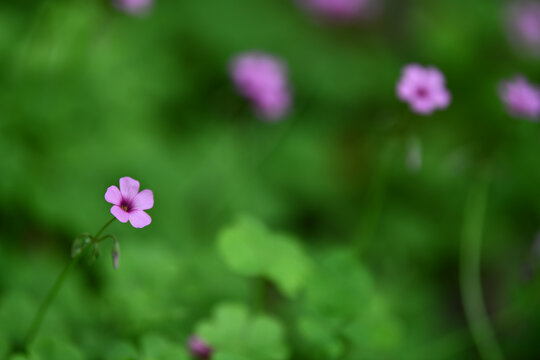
[
  {"x": 236, "y": 334},
  {"x": 4, "y": 346},
  {"x": 50, "y": 348},
  {"x": 157, "y": 348},
  {"x": 90, "y": 94},
  {"x": 122, "y": 351},
  {"x": 16, "y": 311},
  {"x": 344, "y": 314},
  {"x": 250, "y": 249}
]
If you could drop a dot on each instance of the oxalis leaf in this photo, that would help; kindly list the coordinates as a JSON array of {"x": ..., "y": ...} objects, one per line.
[
  {"x": 157, "y": 348},
  {"x": 345, "y": 316},
  {"x": 250, "y": 249},
  {"x": 235, "y": 334}
]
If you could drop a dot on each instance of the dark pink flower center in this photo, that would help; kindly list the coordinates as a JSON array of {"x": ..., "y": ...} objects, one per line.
[
  {"x": 125, "y": 205},
  {"x": 421, "y": 92}
]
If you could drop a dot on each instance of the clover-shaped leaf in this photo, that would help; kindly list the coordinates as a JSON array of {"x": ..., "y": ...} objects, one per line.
[
  {"x": 345, "y": 316},
  {"x": 250, "y": 249},
  {"x": 340, "y": 286},
  {"x": 322, "y": 335},
  {"x": 157, "y": 348},
  {"x": 235, "y": 334}
]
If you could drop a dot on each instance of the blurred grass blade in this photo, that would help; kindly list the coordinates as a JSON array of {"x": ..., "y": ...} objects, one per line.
[{"x": 470, "y": 277}]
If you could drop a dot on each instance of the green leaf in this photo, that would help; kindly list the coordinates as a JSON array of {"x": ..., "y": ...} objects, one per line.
[
  {"x": 340, "y": 287},
  {"x": 343, "y": 308},
  {"x": 235, "y": 334},
  {"x": 122, "y": 351},
  {"x": 376, "y": 331},
  {"x": 318, "y": 334},
  {"x": 250, "y": 249},
  {"x": 49, "y": 348},
  {"x": 157, "y": 348}
]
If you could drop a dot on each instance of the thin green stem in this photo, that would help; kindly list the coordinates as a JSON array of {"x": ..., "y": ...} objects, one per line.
[
  {"x": 44, "y": 307},
  {"x": 38, "y": 319},
  {"x": 470, "y": 276},
  {"x": 103, "y": 228},
  {"x": 110, "y": 236},
  {"x": 376, "y": 195}
]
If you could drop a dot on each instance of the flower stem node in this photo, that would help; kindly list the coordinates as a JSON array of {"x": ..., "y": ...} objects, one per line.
[{"x": 96, "y": 252}]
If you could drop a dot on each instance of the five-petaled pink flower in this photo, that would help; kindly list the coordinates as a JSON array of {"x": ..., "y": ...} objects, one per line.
[
  {"x": 524, "y": 25},
  {"x": 522, "y": 99},
  {"x": 263, "y": 80},
  {"x": 129, "y": 203},
  {"x": 423, "y": 88}
]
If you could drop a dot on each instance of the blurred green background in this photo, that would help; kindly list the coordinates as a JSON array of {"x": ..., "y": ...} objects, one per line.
[{"x": 305, "y": 239}]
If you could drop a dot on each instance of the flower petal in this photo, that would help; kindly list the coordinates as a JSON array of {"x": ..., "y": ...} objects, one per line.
[
  {"x": 423, "y": 107},
  {"x": 413, "y": 72},
  {"x": 139, "y": 218},
  {"x": 129, "y": 187},
  {"x": 113, "y": 195},
  {"x": 143, "y": 200},
  {"x": 434, "y": 77},
  {"x": 120, "y": 214},
  {"x": 442, "y": 98}
]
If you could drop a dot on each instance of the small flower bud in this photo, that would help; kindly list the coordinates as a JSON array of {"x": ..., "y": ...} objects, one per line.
[
  {"x": 414, "y": 155},
  {"x": 79, "y": 244},
  {"x": 198, "y": 348},
  {"x": 116, "y": 254}
]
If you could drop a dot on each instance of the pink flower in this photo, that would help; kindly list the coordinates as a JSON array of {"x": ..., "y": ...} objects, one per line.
[
  {"x": 129, "y": 203},
  {"x": 135, "y": 7},
  {"x": 423, "y": 88},
  {"x": 524, "y": 23},
  {"x": 339, "y": 9},
  {"x": 262, "y": 79},
  {"x": 522, "y": 99},
  {"x": 198, "y": 348}
]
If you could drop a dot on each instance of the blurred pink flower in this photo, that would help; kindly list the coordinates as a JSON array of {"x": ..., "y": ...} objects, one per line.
[
  {"x": 262, "y": 79},
  {"x": 136, "y": 7},
  {"x": 524, "y": 23},
  {"x": 423, "y": 88},
  {"x": 198, "y": 348},
  {"x": 129, "y": 203},
  {"x": 522, "y": 99},
  {"x": 340, "y": 9}
]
